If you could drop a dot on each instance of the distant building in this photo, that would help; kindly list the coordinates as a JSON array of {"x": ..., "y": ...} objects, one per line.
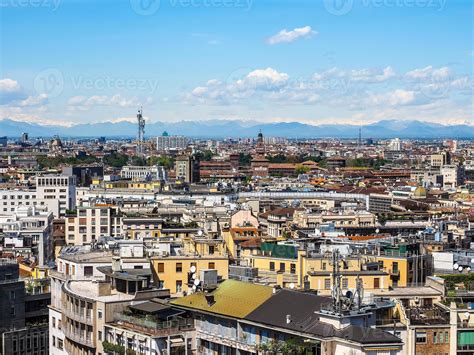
[
  {"x": 84, "y": 173},
  {"x": 165, "y": 143},
  {"x": 187, "y": 169},
  {"x": 3, "y": 141},
  {"x": 24, "y": 138},
  {"x": 57, "y": 187},
  {"x": 440, "y": 159},
  {"x": 143, "y": 173},
  {"x": 395, "y": 145}
]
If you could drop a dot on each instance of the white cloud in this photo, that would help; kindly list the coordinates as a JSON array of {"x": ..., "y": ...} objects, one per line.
[
  {"x": 429, "y": 73},
  {"x": 10, "y": 91},
  {"x": 285, "y": 36},
  {"x": 39, "y": 100},
  {"x": 9, "y": 85},
  {"x": 366, "y": 75}
]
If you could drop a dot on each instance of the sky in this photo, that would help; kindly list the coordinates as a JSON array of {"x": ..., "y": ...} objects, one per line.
[{"x": 313, "y": 61}]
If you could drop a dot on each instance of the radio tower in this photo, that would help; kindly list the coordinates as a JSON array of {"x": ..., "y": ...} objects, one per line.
[{"x": 141, "y": 131}]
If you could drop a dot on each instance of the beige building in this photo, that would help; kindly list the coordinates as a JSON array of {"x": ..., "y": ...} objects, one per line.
[{"x": 90, "y": 223}]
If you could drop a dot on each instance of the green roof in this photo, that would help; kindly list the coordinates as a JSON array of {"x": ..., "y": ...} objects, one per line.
[{"x": 232, "y": 298}]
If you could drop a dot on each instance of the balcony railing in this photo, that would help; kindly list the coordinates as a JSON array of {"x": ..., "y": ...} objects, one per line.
[
  {"x": 79, "y": 337},
  {"x": 160, "y": 328}
]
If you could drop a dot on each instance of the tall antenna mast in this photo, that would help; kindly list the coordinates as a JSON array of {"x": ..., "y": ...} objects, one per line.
[{"x": 141, "y": 131}]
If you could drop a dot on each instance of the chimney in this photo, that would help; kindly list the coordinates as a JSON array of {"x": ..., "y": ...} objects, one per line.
[
  {"x": 116, "y": 264},
  {"x": 210, "y": 299},
  {"x": 288, "y": 319}
]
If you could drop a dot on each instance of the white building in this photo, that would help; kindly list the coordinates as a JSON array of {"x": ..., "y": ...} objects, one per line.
[
  {"x": 143, "y": 173},
  {"x": 82, "y": 303},
  {"x": 28, "y": 233},
  {"x": 395, "y": 145},
  {"x": 57, "y": 187},
  {"x": 10, "y": 200}
]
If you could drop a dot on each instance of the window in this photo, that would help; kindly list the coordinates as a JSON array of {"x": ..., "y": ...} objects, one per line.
[
  {"x": 12, "y": 310},
  {"x": 323, "y": 266},
  {"x": 12, "y": 295},
  {"x": 99, "y": 313},
  {"x": 282, "y": 267},
  {"x": 179, "y": 285},
  {"x": 272, "y": 266},
  {"x": 327, "y": 284},
  {"x": 345, "y": 283},
  {"x": 161, "y": 267},
  {"x": 100, "y": 335},
  {"x": 376, "y": 282},
  {"x": 54, "y": 340},
  {"x": 211, "y": 249},
  {"x": 293, "y": 268},
  {"x": 53, "y": 321},
  {"x": 88, "y": 270},
  {"x": 60, "y": 344},
  {"x": 212, "y": 266},
  {"x": 421, "y": 337},
  {"x": 179, "y": 267}
]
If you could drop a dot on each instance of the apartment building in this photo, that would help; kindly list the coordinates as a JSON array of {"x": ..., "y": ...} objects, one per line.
[
  {"x": 10, "y": 200},
  {"x": 175, "y": 261},
  {"x": 23, "y": 314},
  {"x": 88, "y": 288},
  {"x": 90, "y": 223},
  {"x": 266, "y": 319},
  {"x": 58, "y": 187},
  {"x": 166, "y": 143},
  {"x": 28, "y": 233}
]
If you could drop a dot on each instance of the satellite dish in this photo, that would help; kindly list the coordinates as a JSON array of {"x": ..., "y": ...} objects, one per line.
[
  {"x": 200, "y": 233},
  {"x": 193, "y": 276},
  {"x": 455, "y": 266},
  {"x": 349, "y": 294},
  {"x": 193, "y": 269},
  {"x": 460, "y": 268},
  {"x": 377, "y": 230},
  {"x": 468, "y": 269},
  {"x": 292, "y": 285},
  {"x": 197, "y": 282},
  {"x": 194, "y": 287}
]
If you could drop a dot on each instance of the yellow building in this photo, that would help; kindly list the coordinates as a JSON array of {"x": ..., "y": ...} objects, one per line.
[
  {"x": 287, "y": 266},
  {"x": 172, "y": 271}
]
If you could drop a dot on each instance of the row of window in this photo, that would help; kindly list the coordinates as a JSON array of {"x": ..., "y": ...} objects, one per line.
[
  {"x": 283, "y": 267},
  {"x": 179, "y": 266}
]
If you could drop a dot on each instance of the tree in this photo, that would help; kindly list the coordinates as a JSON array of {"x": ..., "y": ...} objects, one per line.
[
  {"x": 301, "y": 169},
  {"x": 115, "y": 160}
]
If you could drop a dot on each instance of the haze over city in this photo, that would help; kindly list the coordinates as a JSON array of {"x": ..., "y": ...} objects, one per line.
[{"x": 69, "y": 62}]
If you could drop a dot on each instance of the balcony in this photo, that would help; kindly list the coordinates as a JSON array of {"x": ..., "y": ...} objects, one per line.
[
  {"x": 154, "y": 327},
  {"x": 77, "y": 316},
  {"x": 79, "y": 337}
]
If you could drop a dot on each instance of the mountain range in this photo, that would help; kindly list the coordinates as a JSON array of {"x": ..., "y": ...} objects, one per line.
[{"x": 235, "y": 128}]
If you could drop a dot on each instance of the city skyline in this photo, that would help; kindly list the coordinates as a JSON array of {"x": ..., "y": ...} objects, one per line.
[{"x": 353, "y": 62}]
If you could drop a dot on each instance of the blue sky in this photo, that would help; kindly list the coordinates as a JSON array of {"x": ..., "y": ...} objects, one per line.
[{"x": 319, "y": 61}]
